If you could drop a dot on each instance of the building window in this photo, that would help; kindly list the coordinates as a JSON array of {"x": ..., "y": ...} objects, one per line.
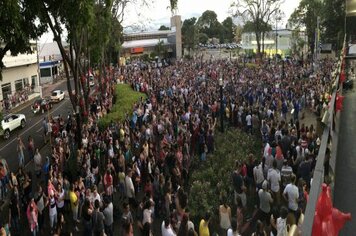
[
  {"x": 18, "y": 85},
  {"x": 33, "y": 81},
  {"x": 6, "y": 90},
  {"x": 25, "y": 82},
  {"x": 45, "y": 72}
]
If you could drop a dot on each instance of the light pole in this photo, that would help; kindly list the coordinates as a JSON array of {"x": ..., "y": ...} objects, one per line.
[
  {"x": 221, "y": 84},
  {"x": 79, "y": 134},
  {"x": 149, "y": 77},
  {"x": 282, "y": 69},
  {"x": 277, "y": 19}
]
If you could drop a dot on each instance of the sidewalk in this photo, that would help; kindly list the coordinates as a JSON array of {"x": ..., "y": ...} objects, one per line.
[{"x": 46, "y": 91}]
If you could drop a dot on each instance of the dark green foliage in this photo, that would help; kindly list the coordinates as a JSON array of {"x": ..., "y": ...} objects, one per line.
[
  {"x": 163, "y": 27},
  {"x": 18, "y": 27},
  {"x": 306, "y": 16},
  {"x": 229, "y": 29},
  {"x": 211, "y": 179},
  {"x": 208, "y": 24},
  {"x": 189, "y": 33}
]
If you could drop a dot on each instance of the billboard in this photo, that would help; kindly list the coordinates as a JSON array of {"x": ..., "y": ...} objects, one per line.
[{"x": 136, "y": 50}]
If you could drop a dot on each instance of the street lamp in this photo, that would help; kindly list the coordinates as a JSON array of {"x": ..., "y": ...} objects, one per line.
[
  {"x": 77, "y": 116},
  {"x": 221, "y": 84},
  {"x": 282, "y": 69},
  {"x": 149, "y": 76},
  {"x": 277, "y": 19}
]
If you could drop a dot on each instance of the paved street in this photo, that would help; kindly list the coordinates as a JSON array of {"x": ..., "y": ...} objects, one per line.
[
  {"x": 33, "y": 126},
  {"x": 345, "y": 187}
]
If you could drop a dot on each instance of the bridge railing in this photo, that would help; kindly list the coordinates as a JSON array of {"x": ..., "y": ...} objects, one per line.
[{"x": 327, "y": 151}]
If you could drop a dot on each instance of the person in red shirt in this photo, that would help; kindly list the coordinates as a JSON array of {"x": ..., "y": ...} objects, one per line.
[{"x": 108, "y": 183}]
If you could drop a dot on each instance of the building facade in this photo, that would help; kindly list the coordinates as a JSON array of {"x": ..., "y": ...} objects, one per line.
[
  {"x": 20, "y": 78},
  {"x": 51, "y": 62},
  {"x": 276, "y": 42},
  {"x": 140, "y": 43}
]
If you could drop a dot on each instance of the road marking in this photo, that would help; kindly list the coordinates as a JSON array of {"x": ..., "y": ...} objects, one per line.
[{"x": 60, "y": 105}]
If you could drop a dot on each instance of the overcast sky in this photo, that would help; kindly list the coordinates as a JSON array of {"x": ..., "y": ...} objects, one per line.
[{"x": 157, "y": 13}]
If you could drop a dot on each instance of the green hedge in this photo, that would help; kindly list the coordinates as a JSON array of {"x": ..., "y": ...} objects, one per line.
[
  {"x": 212, "y": 179},
  {"x": 126, "y": 97}
]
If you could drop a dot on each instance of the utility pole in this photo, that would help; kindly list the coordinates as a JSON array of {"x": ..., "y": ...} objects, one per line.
[
  {"x": 317, "y": 38},
  {"x": 38, "y": 69},
  {"x": 276, "y": 39}
]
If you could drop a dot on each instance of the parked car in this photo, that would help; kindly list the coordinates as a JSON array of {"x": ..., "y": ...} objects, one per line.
[
  {"x": 42, "y": 105},
  {"x": 57, "y": 95},
  {"x": 11, "y": 122}
]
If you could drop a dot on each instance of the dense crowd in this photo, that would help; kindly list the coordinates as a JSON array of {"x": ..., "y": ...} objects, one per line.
[{"x": 145, "y": 160}]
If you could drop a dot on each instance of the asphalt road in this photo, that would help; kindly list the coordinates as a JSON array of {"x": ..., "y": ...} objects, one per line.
[{"x": 33, "y": 128}]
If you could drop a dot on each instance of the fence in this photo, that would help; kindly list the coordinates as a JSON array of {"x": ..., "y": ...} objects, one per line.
[{"x": 329, "y": 140}]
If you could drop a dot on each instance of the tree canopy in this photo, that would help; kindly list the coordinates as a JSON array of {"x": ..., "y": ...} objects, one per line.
[
  {"x": 163, "y": 27},
  {"x": 229, "y": 29},
  {"x": 333, "y": 19},
  {"x": 208, "y": 24},
  {"x": 259, "y": 12},
  {"x": 305, "y": 16},
  {"x": 189, "y": 33},
  {"x": 18, "y": 27}
]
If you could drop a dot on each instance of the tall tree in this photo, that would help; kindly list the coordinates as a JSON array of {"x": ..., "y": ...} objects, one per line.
[
  {"x": 259, "y": 12},
  {"x": 208, "y": 23},
  {"x": 163, "y": 27},
  {"x": 229, "y": 29},
  {"x": 297, "y": 43},
  {"x": 77, "y": 18},
  {"x": 173, "y": 5},
  {"x": 99, "y": 39},
  {"x": 18, "y": 27},
  {"x": 203, "y": 38},
  {"x": 189, "y": 33},
  {"x": 238, "y": 33},
  {"x": 332, "y": 23},
  {"x": 306, "y": 15},
  {"x": 250, "y": 27},
  {"x": 115, "y": 40},
  {"x": 159, "y": 48}
]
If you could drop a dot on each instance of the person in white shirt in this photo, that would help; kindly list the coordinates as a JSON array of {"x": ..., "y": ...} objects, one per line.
[
  {"x": 233, "y": 231},
  {"x": 249, "y": 123},
  {"x": 291, "y": 194},
  {"x": 258, "y": 175},
  {"x": 274, "y": 178},
  {"x": 281, "y": 223},
  {"x": 129, "y": 187},
  {"x": 60, "y": 199},
  {"x": 95, "y": 196},
  {"x": 52, "y": 212},
  {"x": 166, "y": 228},
  {"x": 147, "y": 213}
]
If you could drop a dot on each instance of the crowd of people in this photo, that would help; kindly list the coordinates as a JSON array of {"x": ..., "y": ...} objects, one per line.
[{"x": 136, "y": 172}]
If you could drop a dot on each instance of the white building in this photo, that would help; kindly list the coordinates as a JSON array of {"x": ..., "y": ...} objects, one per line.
[
  {"x": 50, "y": 60},
  {"x": 139, "y": 43},
  {"x": 276, "y": 41},
  {"x": 20, "y": 78}
]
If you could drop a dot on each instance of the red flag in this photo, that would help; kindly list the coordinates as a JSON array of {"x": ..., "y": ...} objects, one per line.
[
  {"x": 338, "y": 102},
  {"x": 342, "y": 77}
]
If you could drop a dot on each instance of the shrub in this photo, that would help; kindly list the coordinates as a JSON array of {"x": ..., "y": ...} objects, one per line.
[
  {"x": 126, "y": 97},
  {"x": 212, "y": 178}
]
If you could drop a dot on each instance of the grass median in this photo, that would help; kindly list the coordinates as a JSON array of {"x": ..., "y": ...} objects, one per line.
[{"x": 126, "y": 97}]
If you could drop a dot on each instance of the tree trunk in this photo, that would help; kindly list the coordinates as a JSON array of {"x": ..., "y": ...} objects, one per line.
[
  {"x": 263, "y": 44},
  {"x": 258, "y": 38}
]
